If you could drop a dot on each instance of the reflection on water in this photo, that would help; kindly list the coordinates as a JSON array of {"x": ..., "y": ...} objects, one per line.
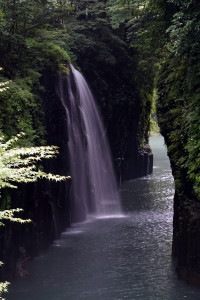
[{"x": 115, "y": 258}]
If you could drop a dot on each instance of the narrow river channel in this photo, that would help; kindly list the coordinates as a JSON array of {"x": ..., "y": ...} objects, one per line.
[{"x": 115, "y": 258}]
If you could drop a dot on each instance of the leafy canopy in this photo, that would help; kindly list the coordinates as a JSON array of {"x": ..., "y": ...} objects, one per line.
[{"x": 19, "y": 165}]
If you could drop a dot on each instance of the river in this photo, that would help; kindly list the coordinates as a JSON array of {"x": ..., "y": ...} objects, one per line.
[{"x": 128, "y": 257}]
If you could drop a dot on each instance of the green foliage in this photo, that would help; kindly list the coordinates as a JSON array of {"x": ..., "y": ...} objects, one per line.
[
  {"x": 20, "y": 109},
  {"x": 20, "y": 164},
  {"x": 50, "y": 54},
  {"x": 10, "y": 216},
  {"x": 4, "y": 85},
  {"x": 154, "y": 128},
  {"x": 184, "y": 30},
  {"x": 27, "y": 49},
  {"x": 25, "y": 44},
  {"x": 17, "y": 165},
  {"x": 119, "y": 12},
  {"x": 3, "y": 288},
  {"x": 179, "y": 92},
  {"x": 23, "y": 17}
]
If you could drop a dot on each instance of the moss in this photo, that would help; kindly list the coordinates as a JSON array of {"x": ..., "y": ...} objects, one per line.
[
  {"x": 47, "y": 53},
  {"x": 20, "y": 110},
  {"x": 178, "y": 110},
  {"x": 21, "y": 104}
]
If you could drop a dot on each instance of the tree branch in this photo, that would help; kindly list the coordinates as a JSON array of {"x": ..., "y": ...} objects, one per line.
[{"x": 36, "y": 24}]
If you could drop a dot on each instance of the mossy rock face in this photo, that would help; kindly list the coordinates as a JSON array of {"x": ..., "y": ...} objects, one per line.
[{"x": 178, "y": 115}]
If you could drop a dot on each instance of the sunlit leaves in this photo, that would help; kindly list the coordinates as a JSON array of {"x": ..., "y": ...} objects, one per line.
[
  {"x": 21, "y": 164},
  {"x": 123, "y": 10},
  {"x": 185, "y": 27},
  {"x": 4, "y": 85},
  {"x": 10, "y": 215},
  {"x": 3, "y": 288}
]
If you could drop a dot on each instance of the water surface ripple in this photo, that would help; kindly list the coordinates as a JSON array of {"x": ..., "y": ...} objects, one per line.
[{"x": 115, "y": 258}]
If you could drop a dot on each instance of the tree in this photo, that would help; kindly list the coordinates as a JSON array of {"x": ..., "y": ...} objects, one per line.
[{"x": 20, "y": 165}]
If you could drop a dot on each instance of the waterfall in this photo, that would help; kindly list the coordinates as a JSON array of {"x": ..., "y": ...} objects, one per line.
[{"x": 94, "y": 188}]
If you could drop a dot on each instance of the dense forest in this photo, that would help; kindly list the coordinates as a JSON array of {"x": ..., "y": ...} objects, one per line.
[{"x": 131, "y": 53}]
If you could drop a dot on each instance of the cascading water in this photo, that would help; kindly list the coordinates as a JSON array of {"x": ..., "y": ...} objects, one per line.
[{"x": 94, "y": 187}]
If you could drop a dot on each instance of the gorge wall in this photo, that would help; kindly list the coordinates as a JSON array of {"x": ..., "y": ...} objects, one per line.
[
  {"x": 178, "y": 109},
  {"x": 34, "y": 57},
  {"x": 178, "y": 115}
]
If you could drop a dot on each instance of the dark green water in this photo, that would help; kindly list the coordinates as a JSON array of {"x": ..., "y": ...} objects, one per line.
[{"x": 115, "y": 258}]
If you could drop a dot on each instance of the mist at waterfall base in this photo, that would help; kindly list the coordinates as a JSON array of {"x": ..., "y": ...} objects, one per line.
[
  {"x": 94, "y": 189},
  {"x": 115, "y": 258}
]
